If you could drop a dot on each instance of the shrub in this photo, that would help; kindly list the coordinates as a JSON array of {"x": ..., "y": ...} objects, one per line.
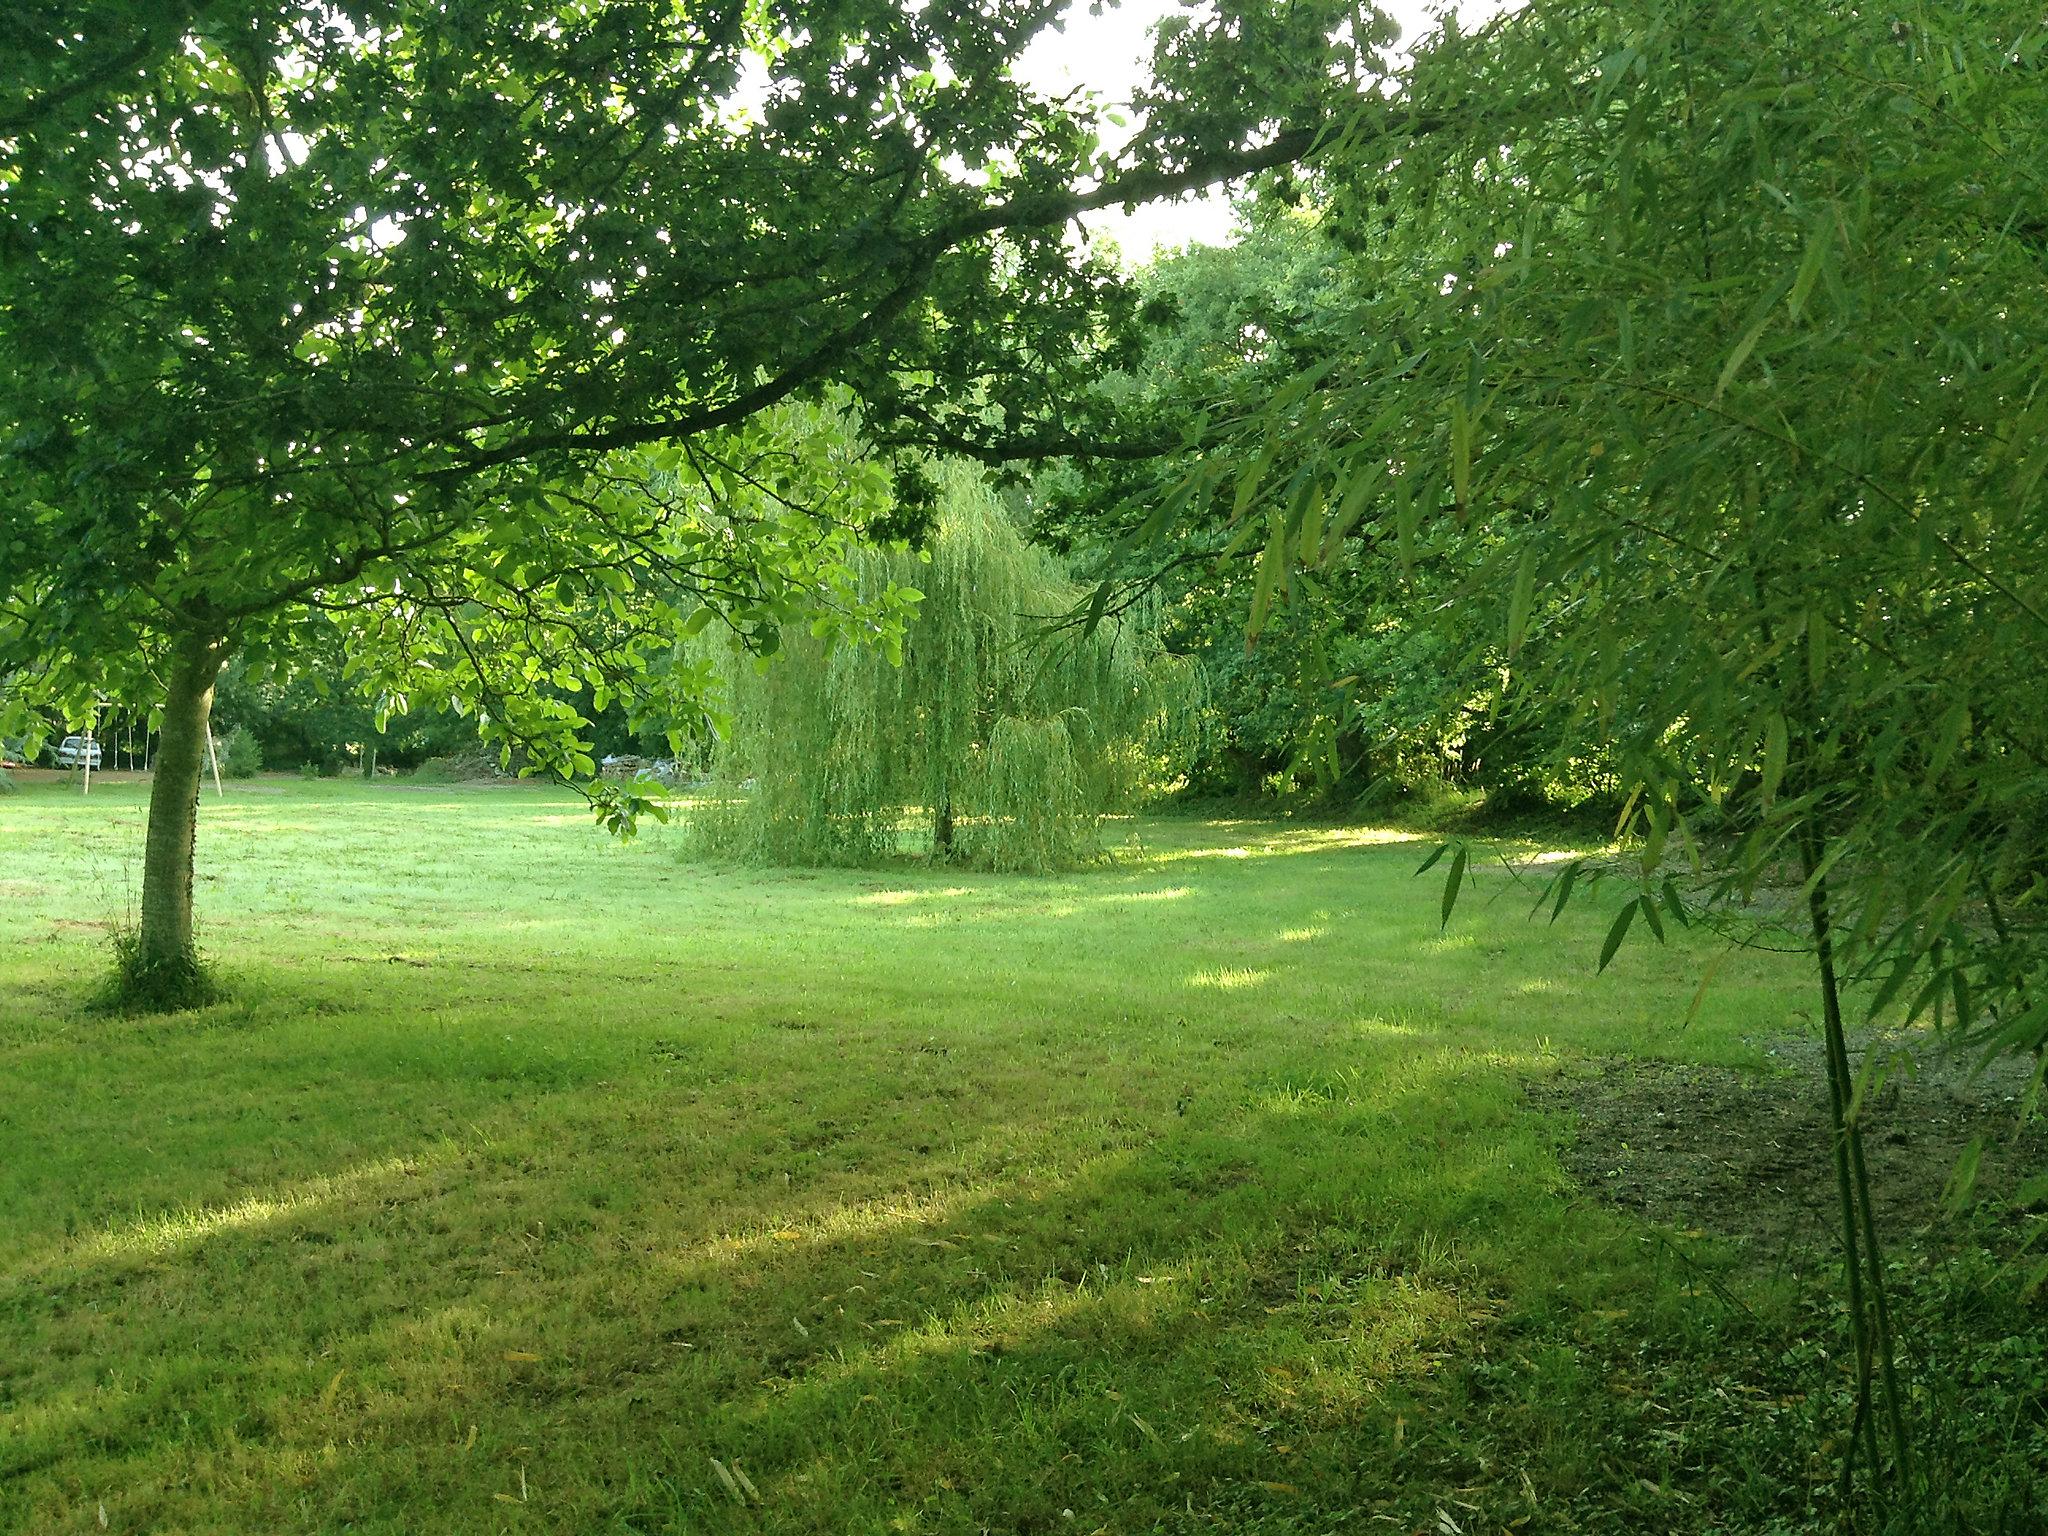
[
  {"x": 474, "y": 764},
  {"x": 241, "y": 757}
]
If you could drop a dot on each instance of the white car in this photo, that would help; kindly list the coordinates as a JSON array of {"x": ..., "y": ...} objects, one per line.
[{"x": 78, "y": 751}]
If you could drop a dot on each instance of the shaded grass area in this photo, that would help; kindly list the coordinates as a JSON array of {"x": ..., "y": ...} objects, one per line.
[{"x": 533, "y": 1182}]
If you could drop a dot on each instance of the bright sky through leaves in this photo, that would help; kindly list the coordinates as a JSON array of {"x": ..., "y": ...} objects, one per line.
[{"x": 1107, "y": 53}]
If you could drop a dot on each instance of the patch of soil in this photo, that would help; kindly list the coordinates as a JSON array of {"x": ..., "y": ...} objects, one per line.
[{"x": 1748, "y": 1154}]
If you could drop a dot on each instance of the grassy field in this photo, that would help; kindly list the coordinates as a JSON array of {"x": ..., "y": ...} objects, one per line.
[{"x": 532, "y": 1182}]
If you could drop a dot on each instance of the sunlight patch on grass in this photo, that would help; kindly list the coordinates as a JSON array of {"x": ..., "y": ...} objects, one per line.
[
  {"x": 164, "y": 1233},
  {"x": 910, "y": 894},
  {"x": 1230, "y": 978},
  {"x": 842, "y": 1223}
]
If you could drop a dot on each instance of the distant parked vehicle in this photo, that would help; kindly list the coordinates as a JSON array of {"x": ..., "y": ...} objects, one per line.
[{"x": 77, "y": 752}]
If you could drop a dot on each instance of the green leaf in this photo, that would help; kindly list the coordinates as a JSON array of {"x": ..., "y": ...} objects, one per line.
[
  {"x": 1818, "y": 243},
  {"x": 1264, "y": 582},
  {"x": 1962, "y": 1178},
  {"x": 1775, "y": 749},
  {"x": 1617, "y": 933},
  {"x": 1564, "y": 887},
  {"x": 1760, "y": 317},
  {"x": 1407, "y": 518},
  {"x": 1461, "y": 454},
  {"x": 1452, "y": 882},
  {"x": 1650, "y": 916},
  {"x": 1520, "y": 599},
  {"x": 1955, "y": 725},
  {"x": 1675, "y": 903},
  {"x": 1350, "y": 510}
]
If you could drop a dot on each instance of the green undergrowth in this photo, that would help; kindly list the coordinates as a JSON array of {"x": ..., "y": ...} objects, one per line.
[{"x": 525, "y": 1181}]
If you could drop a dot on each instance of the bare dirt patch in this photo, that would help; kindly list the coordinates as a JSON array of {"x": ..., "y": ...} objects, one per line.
[{"x": 1747, "y": 1154}]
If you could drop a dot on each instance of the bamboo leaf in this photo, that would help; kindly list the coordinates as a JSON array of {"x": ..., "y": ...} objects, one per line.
[
  {"x": 1753, "y": 332},
  {"x": 1350, "y": 510},
  {"x": 1650, "y": 916},
  {"x": 1407, "y": 518},
  {"x": 1520, "y": 599},
  {"x": 1461, "y": 454},
  {"x": 1962, "y": 1178},
  {"x": 1564, "y": 887},
  {"x": 1617, "y": 933},
  {"x": 1249, "y": 482},
  {"x": 1452, "y": 882},
  {"x": 1707, "y": 976},
  {"x": 1818, "y": 244},
  {"x": 1775, "y": 748},
  {"x": 1264, "y": 583}
]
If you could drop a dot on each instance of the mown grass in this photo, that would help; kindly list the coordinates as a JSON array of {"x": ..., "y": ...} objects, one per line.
[{"x": 532, "y": 1182}]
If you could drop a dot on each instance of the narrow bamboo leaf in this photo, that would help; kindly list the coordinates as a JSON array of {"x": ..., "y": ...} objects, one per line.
[
  {"x": 1407, "y": 518},
  {"x": 1519, "y": 600},
  {"x": 1675, "y": 903},
  {"x": 1900, "y": 973},
  {"x": 1263, "y": 584},
  {"x": 1308, "y": 538},
  {"x": 1657, "y": 813},
  {"x": 1650, "y": 916},
  {"x": 1163, "y": 516},
  {"x": 1955, "y": 724},
  {"x": 1933, "y": 996},
  {"x": 1617, "y": 933},
  {"x": 1249, "y": 482},
  {"x": 1564, "y": 887},
  {"x": 1452, "y": 881},
  {"x": 1097, "y": 601},
  {"x": 2023, "y": 1033},
  {"x": 1774, "y": 757},
  {"x": 1753, "y": 332},
  {"x": 1350, "y": 510},
  {"x": 1962, "y": 1178},
  {"x": 1430, "y": 863},
  {"x": 1628, "y": 810},
  {"x": 1244, "y": 535},
  {"x": 1461, "y": 454},
  {"x": 1818, "y": 244},
  {"x": 1699, "y": 997}
]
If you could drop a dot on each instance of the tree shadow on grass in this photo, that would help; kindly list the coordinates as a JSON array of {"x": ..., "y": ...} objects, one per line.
[{"x": 1174, "y": 1323}]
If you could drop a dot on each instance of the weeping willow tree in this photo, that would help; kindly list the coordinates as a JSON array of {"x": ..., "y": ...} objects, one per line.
[{"x": 992, "y": 740}]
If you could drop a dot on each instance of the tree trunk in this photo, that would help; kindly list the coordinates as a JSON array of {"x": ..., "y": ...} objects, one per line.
[{"x": 164, "y": 944}]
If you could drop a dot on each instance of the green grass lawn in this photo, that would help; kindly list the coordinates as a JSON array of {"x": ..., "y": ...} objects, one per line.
[{"x": 533, "y": 1182}]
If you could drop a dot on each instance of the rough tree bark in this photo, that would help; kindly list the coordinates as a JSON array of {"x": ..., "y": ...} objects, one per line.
[{"x": 164, "y": 944}]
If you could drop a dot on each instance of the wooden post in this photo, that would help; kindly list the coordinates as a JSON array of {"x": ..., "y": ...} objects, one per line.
[{"x": 213, "y": 757}]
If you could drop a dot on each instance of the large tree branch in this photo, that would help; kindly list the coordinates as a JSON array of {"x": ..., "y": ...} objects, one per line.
[{"x": 1027, "y": 210}]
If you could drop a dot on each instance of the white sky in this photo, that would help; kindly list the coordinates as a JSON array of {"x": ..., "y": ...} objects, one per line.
[{"x": 1108, "y": 54}]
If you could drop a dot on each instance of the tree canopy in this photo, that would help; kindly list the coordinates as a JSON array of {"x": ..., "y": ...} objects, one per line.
[{"x": 460, "y": 322}]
